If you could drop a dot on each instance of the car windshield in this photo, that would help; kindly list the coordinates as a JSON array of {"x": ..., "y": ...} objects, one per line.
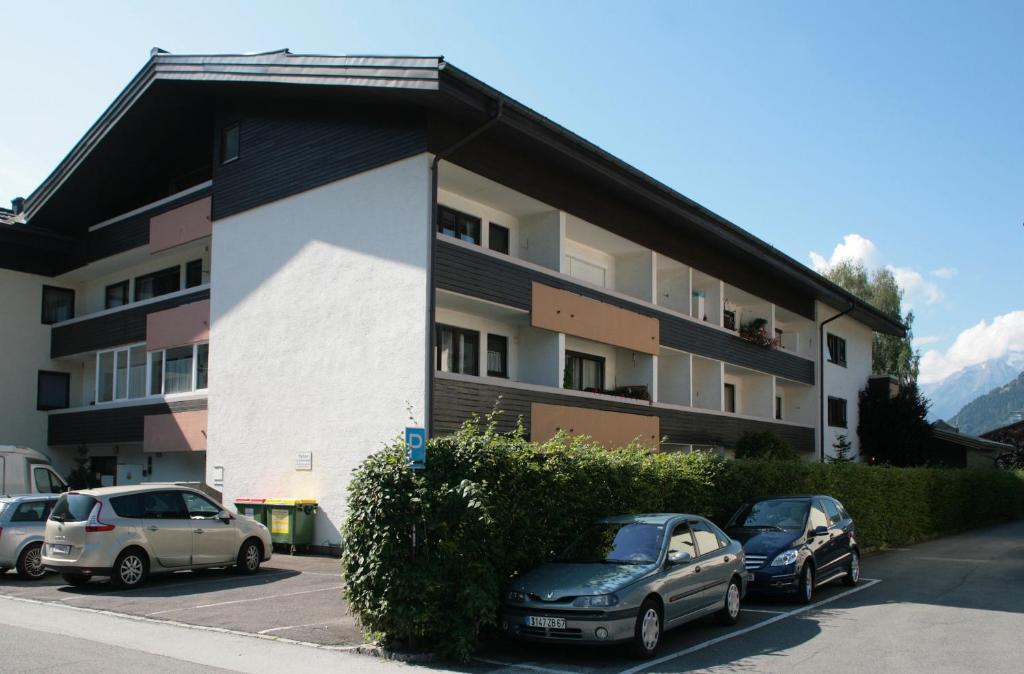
[
  {"x": 780, "y": 515},
  {"x": 616, "y": 543}
]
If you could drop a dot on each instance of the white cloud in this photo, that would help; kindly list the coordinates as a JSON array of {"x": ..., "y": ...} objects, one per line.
[
  {"x": 854, "y": 248},
  {"x": 945, "y": 272},
  {"x": 974, "y": 345},
  {"x": 916, "y": 288},
  {"x": 924, "y": 340}
]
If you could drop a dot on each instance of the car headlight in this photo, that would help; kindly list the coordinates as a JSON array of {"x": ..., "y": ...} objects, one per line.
[
  {"x": 786, "y": 558},
  {"x": 596, "y": 601},
  {"x": 515, "y": 597}
]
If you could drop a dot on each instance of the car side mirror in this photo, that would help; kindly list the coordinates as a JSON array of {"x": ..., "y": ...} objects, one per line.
[
  {"x": 819, "y": 531},
  {"x": 680, "y": 557},
  {"x": 224, "y": 516}
]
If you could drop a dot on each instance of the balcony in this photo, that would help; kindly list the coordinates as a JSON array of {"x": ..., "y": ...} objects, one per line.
[{"x": 125, "y": 422}]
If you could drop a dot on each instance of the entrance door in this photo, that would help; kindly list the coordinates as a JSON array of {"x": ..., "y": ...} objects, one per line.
[{"x": 167, "y": 527}]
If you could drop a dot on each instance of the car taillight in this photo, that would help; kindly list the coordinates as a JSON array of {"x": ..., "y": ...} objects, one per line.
[{"x": 94, "y": 523}]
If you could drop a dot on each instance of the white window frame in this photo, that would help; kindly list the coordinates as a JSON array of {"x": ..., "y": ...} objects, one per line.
[{"x": 149, "y": 372}]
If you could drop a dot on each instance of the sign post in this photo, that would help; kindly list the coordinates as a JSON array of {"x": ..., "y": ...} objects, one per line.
[{"x": 416, "y": 447}]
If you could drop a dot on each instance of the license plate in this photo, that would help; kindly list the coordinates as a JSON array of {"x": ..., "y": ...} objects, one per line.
[
  {"x": 60, "y": 549},
  {"x": 549, "y": 623}
]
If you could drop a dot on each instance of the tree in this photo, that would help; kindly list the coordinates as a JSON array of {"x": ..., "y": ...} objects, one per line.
[
  {"x": 889, "y": 354},
  {"x": 844, "y": 450},
  {"x": 81, "y": 477},
  {"x": 893, "y": 430},
  {"x": 766, "y": 446}
]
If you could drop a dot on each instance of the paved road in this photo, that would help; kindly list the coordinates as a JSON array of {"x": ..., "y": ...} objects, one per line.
[{"x": 955, "y": 604}]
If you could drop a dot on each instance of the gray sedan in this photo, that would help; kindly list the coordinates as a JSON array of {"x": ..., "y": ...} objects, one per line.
[
  {"x": 22, "y": 524},
  {"x": 626, "y": 580}
]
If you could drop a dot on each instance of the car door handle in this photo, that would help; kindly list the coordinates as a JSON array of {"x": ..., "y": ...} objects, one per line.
[
  {"x": 152, "y": 528},
  {"x": 197, "y": 531}
]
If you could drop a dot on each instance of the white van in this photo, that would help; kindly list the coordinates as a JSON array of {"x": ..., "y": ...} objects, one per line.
[{"x": 26, "y": 471}]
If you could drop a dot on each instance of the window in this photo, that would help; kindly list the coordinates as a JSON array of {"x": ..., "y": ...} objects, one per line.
[
  {"x": 729, "y": 319},
  {"x": 164, "y": 505},
  {"x": 729, "y": 396},
  {"x": 47, "y": 482},
  {"x": 128, "y": 506},
  {"x": 229, "y": 142},
  {"x": 583, "y": 372},
  {"x": 457, "y": 224},
  {"x": 72, "y": 507},
  {"x": 32, "y": 511},
  {"x": 778, "y": 407},
  {"x": 457, "y": 350},
  {"x": 836, "y": 412},
  {"x": 497, "y": 356},
  {"x": 707, "y": 541},
  {"x": 194, "y": 274},
  {"x": 682, "y": 541},
  {"x": 817, "y": 517},
  {"x": 199, "y": 508},
  {"x": 586, "y": 271},
  {"x": 158, "y": 283},
  {"x": 117, "y": 295},
  {"x": 497, "y": 238},
  {"x": 834, "y": 517},
  {"x": 58, "y": 304},
  {"x": 53, "y": 391},
  {"x": 836, "y": 350},
  {"x": 121, "y": 374}
]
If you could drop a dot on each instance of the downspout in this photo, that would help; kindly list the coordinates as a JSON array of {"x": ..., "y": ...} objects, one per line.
[
  {"x": 432, "y": 238},
  {"x": 821, "y": 375}
]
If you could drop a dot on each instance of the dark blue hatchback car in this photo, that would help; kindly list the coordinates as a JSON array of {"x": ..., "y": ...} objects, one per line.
[{"x": 794, "y": 544}]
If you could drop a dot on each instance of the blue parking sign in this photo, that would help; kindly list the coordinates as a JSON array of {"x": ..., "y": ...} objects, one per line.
[{"x": 416, "y": 447}]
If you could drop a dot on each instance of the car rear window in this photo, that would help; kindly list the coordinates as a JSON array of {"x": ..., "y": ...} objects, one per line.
[
  {"x": 72, "y": 508},
  {"x": 129, "y": 505}
]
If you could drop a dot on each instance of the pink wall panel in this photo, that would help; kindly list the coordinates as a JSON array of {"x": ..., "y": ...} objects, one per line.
[
  {"x": 180, "y": 225},
  {"x": 187, "y": 324},
  {"x": 175, "y": 432}
]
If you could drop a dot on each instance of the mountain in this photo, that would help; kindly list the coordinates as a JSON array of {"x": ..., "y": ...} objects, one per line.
[
  {"x": 998, "y": 407},
  {"x": 952, "y": 393}
]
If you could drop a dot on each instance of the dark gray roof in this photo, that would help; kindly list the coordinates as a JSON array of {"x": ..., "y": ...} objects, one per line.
[
  {"x": 6, "y": 216},
  {"x": 944, "y": 431}
]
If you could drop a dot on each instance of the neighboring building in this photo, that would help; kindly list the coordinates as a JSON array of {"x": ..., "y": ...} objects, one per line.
[
  {"x": 242, "y": 263},
  {"x": 960, "y": 450},
  {"x": 1011, "y": 434}
]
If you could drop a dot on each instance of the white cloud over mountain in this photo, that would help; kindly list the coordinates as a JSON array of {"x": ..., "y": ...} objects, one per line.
[{"x": 1000, "y": 338}]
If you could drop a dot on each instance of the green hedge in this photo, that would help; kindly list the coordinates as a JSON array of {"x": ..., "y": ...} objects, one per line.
[{"x": 426, "y": 555}]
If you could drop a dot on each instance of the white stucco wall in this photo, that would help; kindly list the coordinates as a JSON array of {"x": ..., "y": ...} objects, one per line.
[
  {"x": 26, "y": 342},
  {"x": 845, "y": 382},
  {"x": 318, "y": 335}
]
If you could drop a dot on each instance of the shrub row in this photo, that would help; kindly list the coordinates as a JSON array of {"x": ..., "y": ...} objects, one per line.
[{"x": 426, "y": 555}]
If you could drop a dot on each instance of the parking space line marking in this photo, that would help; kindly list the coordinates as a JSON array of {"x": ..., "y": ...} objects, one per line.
[
  {"x": 759, "y": 610},
  {"x": 245, "y": 601},
  {"x": 191, "y": 626},
  {"x": 527, "y": 665},
  {"x": 295, "y": 627},
  {"x": 175, "y": 586},
  {"x": 745, "y": 630}
]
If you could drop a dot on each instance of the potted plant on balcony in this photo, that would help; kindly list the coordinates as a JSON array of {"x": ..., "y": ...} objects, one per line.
[{"x": 756, "y": 331}]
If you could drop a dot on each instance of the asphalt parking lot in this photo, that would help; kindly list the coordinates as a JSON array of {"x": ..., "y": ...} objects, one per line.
[
  {"x": 953, "y": 604},
  {"x": 290, "y": 597}
]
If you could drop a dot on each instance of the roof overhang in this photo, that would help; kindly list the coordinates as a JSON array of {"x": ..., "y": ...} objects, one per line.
[{"x": 970, "y": 441}]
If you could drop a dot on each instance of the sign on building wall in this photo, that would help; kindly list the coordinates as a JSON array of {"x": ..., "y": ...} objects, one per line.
[
  {"x": 304, "y": 461},
  {"x": 416, "y": 447}
]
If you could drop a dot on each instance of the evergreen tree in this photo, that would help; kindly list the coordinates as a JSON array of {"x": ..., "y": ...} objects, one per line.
[
  {"x": 844, "y": 450},
  {"x": 893, "y": 430}
]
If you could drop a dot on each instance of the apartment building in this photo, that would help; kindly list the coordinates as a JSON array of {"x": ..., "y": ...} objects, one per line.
[{"x": 254, "y": 270}]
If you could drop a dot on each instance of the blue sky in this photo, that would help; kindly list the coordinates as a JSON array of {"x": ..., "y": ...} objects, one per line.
[{"x": 894, "y": 129}]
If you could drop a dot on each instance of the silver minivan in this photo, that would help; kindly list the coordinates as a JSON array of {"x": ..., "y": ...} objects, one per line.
[
  {"x": 22, "y": 524},
  {"x": 127, "y": 533}
]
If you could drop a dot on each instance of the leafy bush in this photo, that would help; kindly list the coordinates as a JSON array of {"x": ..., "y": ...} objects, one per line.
[
  {"x": 766, "y": 446},
  {"x": 426, "y": 555}
]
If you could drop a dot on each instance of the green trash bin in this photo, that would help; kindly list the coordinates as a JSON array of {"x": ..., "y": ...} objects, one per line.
[
  {"x": 291, "y": 521},
  {"x": 252, "y": 507}
]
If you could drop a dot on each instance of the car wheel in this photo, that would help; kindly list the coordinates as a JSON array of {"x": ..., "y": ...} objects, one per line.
[
  {"x": 249, "y": 557},
  {"x": 76, "y": 579},
  {"x": 130, "y": 569},
  {"x": 730, "y": 613},
  {"x": 30, "y": 562},
  {"x": 852, "y": 569},
  {"x": 805, "y": 590},
  {"x": 647, "y": 633}
]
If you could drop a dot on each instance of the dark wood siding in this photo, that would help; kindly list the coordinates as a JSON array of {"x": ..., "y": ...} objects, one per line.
[
  {"x": 111, "y": 425},
  {"x": 456, "y": 400},
  {"x": 121, "y": 327},
  {"x": 284, "y": 150},
  {"x": 487, "y": 277}
]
